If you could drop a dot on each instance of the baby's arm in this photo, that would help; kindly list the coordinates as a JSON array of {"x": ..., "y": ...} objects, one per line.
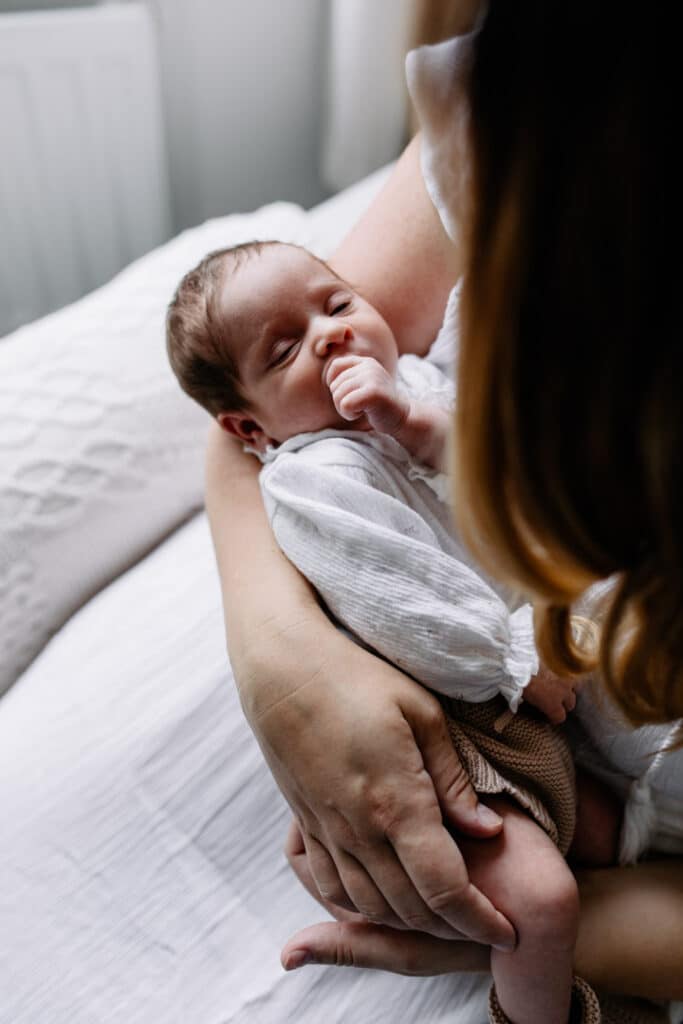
[
  {"x": 360, "y": 386},
  {"x": 339, "y": 514}
]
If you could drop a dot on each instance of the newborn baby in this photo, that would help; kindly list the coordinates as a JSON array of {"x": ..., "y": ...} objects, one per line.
[
  {"x": 295, "y": 363},
  {"x": 295, "y": 349}
]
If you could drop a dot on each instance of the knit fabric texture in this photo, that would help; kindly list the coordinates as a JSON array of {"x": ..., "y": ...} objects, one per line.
[
  {"x": 521, "y": 755},
  {"x": 589, "y": 1007},
  {"x": 585, "y": 1008}
]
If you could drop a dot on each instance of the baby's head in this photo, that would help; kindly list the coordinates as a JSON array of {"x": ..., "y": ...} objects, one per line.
[{"x": 252, "y": 330}]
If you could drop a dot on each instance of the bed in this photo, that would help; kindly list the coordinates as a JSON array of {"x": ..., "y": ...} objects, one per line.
[{"x": 143, "y": 878}]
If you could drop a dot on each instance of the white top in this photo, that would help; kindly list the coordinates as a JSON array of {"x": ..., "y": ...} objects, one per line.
[
  {"x": 435, "y": 77},
  {"x": 371, "y": 530},
  {"x": 630, "y": 759}
]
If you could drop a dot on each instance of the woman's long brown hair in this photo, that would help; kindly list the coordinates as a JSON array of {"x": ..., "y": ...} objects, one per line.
[{"x": 569, "y": 425}]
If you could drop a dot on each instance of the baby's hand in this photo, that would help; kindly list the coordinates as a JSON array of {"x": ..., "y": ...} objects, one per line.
[
  {"x": 359, "y": 386},
  {"x": 551, "y": 694}
]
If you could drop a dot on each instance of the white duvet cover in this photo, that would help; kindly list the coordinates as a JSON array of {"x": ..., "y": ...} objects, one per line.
[
  {"x": 143, "y": 879},
  {"x": 140, "y": 851}
]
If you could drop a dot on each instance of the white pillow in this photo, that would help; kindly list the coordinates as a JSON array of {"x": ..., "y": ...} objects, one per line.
[{"x": 101, "y": 454}]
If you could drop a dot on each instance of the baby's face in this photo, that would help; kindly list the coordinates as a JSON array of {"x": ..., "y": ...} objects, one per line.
[{"x": 290, "y": 317}]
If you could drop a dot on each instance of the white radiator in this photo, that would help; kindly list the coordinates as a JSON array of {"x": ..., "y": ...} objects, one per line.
[{"x": 83, "y": 178}]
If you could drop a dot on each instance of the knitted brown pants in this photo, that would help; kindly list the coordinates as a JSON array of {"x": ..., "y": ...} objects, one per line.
[
  {"x": 589, "y": 1008},
  {"x": 520, "y": 755}
]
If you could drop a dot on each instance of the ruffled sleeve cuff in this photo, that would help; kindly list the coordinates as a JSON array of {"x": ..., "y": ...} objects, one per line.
[{"x": 521, "y": 658}]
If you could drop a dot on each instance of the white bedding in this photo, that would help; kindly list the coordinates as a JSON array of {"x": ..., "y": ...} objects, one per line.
[
  {"x": 143, "y": 879},
  {"x": 142, "y": 873}
]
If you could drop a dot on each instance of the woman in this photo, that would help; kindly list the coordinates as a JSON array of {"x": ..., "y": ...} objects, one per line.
[{"x": 533, "y": 125}]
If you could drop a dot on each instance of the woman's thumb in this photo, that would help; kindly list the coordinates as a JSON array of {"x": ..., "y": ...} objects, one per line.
[{"x": 384, "y": 949}]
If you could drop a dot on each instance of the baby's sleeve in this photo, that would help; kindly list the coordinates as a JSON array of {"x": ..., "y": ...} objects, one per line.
[{"x": 378, "y": 566}]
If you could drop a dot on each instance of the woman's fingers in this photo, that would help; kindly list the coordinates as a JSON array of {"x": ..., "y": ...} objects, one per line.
[
  {"x": 344, "y": 882},
  {"x": 295, "y": 851},
  {"x": 325, "y": 875},
  {"x": 348, "y": 944},
  {"x": 367, "y": 902},
  {"x": 430, "y": 856},
  {"x": 440, "y": 876},
  {"x": 399, "y": 904},
  {"x": 452, "y": 786},
  {"x": 318, "y": 874}
]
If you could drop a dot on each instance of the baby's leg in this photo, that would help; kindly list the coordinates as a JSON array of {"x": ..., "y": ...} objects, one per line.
[{"x": 525, "y": 876}]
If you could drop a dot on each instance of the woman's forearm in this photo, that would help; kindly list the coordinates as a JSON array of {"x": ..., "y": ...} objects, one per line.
[
  {"x": 265, "y": 600},
  {"x": 631, "y": 929}
]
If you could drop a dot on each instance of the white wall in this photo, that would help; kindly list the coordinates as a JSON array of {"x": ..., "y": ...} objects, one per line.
[
  {"x": 83, "y": 174},
  {"x": 244, "y": 98},
  {"x": 248, "y": 88},
  {"x": 19, "y": 6}
]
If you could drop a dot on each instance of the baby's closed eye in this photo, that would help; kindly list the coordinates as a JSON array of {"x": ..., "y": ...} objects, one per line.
[
  {"x": 281, "y": 350},
  {"x": 338, "y": 303}
]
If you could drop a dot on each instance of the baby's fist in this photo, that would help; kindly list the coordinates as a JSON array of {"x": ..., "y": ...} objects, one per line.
[
  {"x": 554, "y": 695},
  {"x": 359, "y": 386}
]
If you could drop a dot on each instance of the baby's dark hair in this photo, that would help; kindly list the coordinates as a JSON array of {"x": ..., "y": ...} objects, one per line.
[{"x": 197, "y": 332}]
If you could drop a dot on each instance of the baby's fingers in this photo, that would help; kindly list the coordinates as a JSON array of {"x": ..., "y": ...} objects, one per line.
[
  {"x": 350, "y": 397},
  {"x": 338, "y": 365},
  {"x": 350, "y": 378},
  {"x": 355, "y": 402}
]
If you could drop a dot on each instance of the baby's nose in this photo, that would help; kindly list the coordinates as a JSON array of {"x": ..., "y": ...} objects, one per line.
[{"x": 332, "y": 337}]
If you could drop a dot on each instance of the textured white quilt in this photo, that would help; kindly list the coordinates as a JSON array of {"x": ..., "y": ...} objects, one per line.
[{"x": 140, "y": 852}]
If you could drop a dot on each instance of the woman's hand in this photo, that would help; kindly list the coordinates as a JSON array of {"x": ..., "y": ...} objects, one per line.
[
  {"x": 353, "y": 942},
  {"x": 363, "y": 757},
  {"x": 630, "y": 933}
]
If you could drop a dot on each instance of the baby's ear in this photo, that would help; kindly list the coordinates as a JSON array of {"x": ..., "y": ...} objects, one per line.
[{"x": 240, "y": 425}]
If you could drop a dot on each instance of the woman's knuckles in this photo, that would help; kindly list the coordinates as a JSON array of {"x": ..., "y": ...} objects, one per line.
[
  {"x": 446, "y": 899},
  {"x": 418, "y": 921},
  {"x": 335, "y": 894},
  {"x": 374, "y": 913}
]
